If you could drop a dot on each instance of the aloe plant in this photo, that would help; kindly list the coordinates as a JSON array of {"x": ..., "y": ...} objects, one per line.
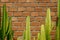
[
  {"x": 48, "y": 25},
  {"x": 5, "y": 29},
  {"x": 58, "y": 23},
  {"x": 27, "y": 28},
  {"x": 39, "y": 36},
  {"x": 43, "y": 36},
  {"x": 18, "y": 38}
]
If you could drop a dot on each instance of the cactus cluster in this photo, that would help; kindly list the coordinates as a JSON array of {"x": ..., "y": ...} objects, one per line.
[
  {"x": 46, "y": 29},
  {"x": 6, "y": 31}
]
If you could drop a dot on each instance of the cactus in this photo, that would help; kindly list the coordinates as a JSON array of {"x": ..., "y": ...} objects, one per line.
[
  {"x": 5, "y": 29},
  {"x": 27, "y": 28},
  {"x": 58, "y": 23},
  {"x": 43, "y": 36},
  {"x": 18, "y": 38},
  {"x": 48, "y": 25},
  {"x": 39, "y": 36}
]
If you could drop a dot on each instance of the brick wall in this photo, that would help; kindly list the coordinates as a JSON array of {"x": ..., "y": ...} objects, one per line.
[{"x": 36, "y": 9}]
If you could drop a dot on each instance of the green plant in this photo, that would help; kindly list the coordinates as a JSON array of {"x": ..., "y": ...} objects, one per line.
[
  {"x": 58, "y": 23},
  {"x": 48, "y": 25},
  {"x": 5, "y": 29},
  {"x": 43, "y": 36},
  {"x": 27, "y": 28}
]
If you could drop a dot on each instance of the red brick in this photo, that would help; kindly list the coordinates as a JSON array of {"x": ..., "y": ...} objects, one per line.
[
  {"x": 21, "y": 19},
  {"x": 18, "y": 33},
  {"x": 21, "y": 0},
  {"x": 54, "y": 0},
  {"x": 21, "y": 9},
  {"x": 26, "y": 13},
  {"x": 16, "y": 24},
  {"x": 30, "y": 0},
  {"x": 35, "y": 23},
  {"x": 54, "y": 9},
  {"x": 46, "y": 0},
  {"x": 14, "y": 28},
  {"x": 34, "y": 14},
  {"x": 51, "y": 4},
  {"x": 38, "y": 9},
  {"x": 39, "y": 1},
  {"x": 17, "y": 14},
  {"x": 14, "y": 19},
  {"x": 36, "y": 28},
  {"x": 4, "y": 0},
  {"x": 12, "y": 0},
  {"x": 20, "y": 28},
  {"x": 43, "y": 4},
  {"x": 38, "y": 19},
  {"x": 30, "y": 9},
  {"x": 10, "y": 13},
  {"x": 12, "y": 9}
]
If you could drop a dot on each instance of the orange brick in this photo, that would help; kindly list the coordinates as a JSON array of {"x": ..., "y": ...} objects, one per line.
[
  {"x": 30, "y": 9},
  {"x": 54, "y": 0},
  {"x": 46, "y": 0},
  {"x": 21, "y": 9},
  {"x": 32, "y": 19},
  {"x": 12, "y": 9},
  {"x": 4, "y": 0},
  {"x": 26, "y": 13},
  {"x": 38, "y": 19},
  {"x": 21, "y": 0},
  {"x": 21, "y": 28},
  {"x": 34, "y": 14},
  {"x": 17, "y": 14},
  {"x": 14, "y": 19},
  {"x": 51, "y": 4},
  {"x": 36, "y": 28},
  {"x": 9, "y": 4},
  {"x": 54, "y": 9},
  {"x": 14, "y": 28},
  {"x": 30, "y": 0},
  {"x": 12, "y": 0},
  {"x": 10, "y": 13},
  {"x": 38, "y": 9},
  {"x": 35, "y": 23},
  {"x": 34, "y": 33},
  {"x": 16, "y": 24},
  {"x": 42, "y": 14},
  {"x": 43, "y": 4},
  {"x": 21, "y": 19},
  {"x": 38, "y": 0},
  {"x": 18, "y": 33}
]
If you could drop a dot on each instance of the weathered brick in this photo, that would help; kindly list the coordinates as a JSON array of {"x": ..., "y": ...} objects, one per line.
[
  {"x": 17, "y": 14},
  {"x": 12, "y": 9},
  {"x": 38, "y": 9},
  {"x": 46, "y": 0},
  {"x": 39, "y": 1},
  {"x": 34, "y": 14},
  {"x": 12, "y": 0},
  {"x": 26, "y": 14},
  {"x": 4, "y": 0},
  {"x": 21, "y": 0},
  {"x": 21, "y": 8},
  {"x": 30, "y": 9}
]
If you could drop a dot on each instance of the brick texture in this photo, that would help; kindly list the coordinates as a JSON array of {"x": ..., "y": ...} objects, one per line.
[{"x": 36, "y": 9}]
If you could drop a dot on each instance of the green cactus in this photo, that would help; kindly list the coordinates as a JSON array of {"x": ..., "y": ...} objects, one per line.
[
  {"x": 48, "y": 25},
  {"x": 39, "y": 36},
  {"x": 58, "y": 23},
  {"x": 43, "y": 36},
  {"x": 27, "y": 28},
  {"x": 5, "y": 29}
]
